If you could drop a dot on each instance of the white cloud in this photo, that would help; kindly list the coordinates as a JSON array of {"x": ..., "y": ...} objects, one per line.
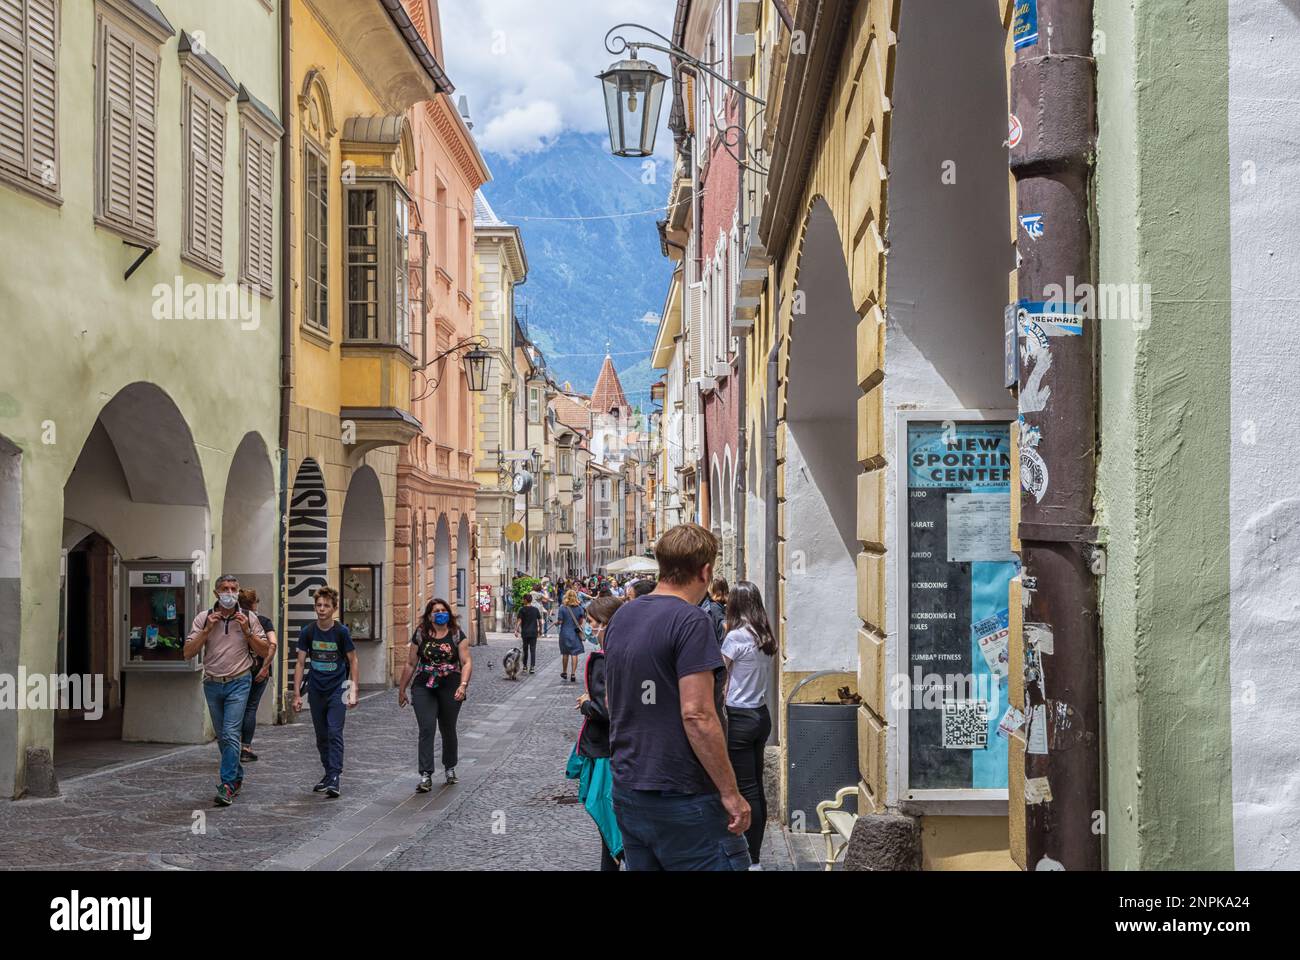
[
  {"x": 529, "y": 68},
  {"x": 522, "y": 129}
]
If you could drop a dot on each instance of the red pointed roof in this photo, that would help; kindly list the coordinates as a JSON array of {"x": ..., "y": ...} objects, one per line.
[{"x": 609, "y": 392}]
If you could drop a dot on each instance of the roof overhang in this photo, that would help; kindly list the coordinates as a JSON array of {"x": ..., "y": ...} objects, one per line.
[
  {"x": 386, "y": 49},
  {"x": 670, "y": 325}
]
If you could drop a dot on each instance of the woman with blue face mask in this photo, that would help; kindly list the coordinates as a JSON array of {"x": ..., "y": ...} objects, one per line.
[{"x": 438, "y": 669}]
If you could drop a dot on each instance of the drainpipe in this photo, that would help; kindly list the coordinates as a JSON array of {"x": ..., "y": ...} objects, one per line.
[
  {"x": 742, "y": 364},
  {"x": 286, "y": 345},
  {"x": 772, "y": 576},
  {"x": 1053, "y": 95}
]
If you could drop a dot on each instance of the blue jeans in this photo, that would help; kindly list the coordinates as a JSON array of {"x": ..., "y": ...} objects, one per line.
[
  {"x": 250, "y": 712},
  {"x": 677, "y": 831},
  {"x": 226, "y": 703},
  {"x": 328, "y": 711}
]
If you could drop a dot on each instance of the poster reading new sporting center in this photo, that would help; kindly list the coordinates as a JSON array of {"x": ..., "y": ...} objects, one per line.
[{"x": 959, "y": 565}]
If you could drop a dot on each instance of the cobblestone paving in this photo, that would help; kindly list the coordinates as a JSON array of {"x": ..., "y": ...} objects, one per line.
[
  {"x": 513, "y": 808},
  {"x": 159, "y": 814}
]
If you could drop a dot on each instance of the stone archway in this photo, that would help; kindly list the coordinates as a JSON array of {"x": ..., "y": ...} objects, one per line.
[
  {"x": 821, "y": 464},
  {"x": 442, "y": 572},
  {"x": 135, "y": 498},
  {"x": 363, "y": 551},
  {"x": 463, "y": 587}
]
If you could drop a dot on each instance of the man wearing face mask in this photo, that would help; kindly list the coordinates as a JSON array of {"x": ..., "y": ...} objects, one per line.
[{"x": 228, "y": 639}]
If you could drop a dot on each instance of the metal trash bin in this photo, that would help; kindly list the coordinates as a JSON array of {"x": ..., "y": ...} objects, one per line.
[{"x": 822, "y": 756}]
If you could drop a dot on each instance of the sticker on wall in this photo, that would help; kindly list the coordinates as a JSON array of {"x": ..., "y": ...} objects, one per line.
[
  {"x": 1040, "y": 637},
  {"x": 1025, "y": 29},
  {"x": 1015, "y": 132},
  {"x": 1033, "y": 473},
  {"x": 1049, "y": 318},
  {"x": 1011, "y": 721},
  {"x": 1037, "y": 790},
  {"x": 1038, "y": 731},
  {"x": 1035, "y": 224},
  {"x": 1037, "y": 360},
  {"x": 992, "y": 634}
]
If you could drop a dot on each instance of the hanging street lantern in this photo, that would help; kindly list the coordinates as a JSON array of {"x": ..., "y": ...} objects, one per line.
[
  {"x": 477, "y": 363},
  {"x": 634, "y": 93}
]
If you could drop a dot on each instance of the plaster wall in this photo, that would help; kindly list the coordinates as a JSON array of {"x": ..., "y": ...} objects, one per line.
[
  {"x": 1162, "y": 200},
  {"x": 1263, "y": 117},
  {"x": 69, "y": 355},
  {"x": 948, "y": 250}
]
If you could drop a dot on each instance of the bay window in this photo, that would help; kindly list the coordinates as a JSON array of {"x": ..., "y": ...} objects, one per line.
[{"x": 377, "y": 264}]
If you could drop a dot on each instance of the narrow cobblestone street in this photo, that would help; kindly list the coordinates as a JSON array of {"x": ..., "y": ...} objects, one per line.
[{"x": 512, "y": 809}]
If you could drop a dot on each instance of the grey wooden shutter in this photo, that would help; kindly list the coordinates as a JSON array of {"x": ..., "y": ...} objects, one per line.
[
  {"x": 13, "y": 86},
  {"x": 250, "y": 194},
  {"x": 216, "y": 174},
  {"x": 144, "y": 112},
  {"x": 199, "y": 228},
  {"x": 118, "y": 179},
  {"x": 268, "y": 214},
  {"x": 42, "y": 51}
]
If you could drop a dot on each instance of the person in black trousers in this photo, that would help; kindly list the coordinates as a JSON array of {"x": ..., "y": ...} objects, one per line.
[
  {"x": 747, "y": 652},
  {"x": 527, "y": 624},
  {"x": 441, "y": 666}
]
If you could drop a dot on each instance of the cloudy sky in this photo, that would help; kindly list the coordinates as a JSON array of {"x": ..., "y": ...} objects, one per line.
[{"x": 529, "y": 67}]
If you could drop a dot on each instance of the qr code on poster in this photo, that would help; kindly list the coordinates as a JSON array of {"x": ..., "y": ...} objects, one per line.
[{"x": 965, "y": 724}]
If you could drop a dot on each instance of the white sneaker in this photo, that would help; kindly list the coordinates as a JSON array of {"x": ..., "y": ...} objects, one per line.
[{"x": 756, "y": 866}]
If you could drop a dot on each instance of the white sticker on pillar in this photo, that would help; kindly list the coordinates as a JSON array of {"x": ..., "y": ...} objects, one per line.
[
  {"x": 1037, "y": 731},
  {"x": 1033, "y": 473},
  {"x": 1037, "y": 790}
]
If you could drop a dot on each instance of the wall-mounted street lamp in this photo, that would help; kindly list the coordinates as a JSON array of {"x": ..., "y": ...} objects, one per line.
[
  {"x": 634, "y": 93},
  {"x": 477, "y": 362}
]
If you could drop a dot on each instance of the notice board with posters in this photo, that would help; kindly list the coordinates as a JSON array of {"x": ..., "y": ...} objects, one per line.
[{"x": 955, "y": 570}]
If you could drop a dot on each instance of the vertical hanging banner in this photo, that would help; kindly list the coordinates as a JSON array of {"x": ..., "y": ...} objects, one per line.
[
  {"x": 1024, "y": 30},
  {"x": 959, "y": 568}
]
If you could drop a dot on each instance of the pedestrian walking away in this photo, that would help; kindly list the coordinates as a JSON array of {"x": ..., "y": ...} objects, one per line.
[
  {"x": 589, "y": 764},
  {"x": 228, "y": 638},
  {"x": 437, "y": 671},
  {"x": 526, "y": 627},
  {"x": 715, "y": 605},
  {"x": 747, "y": 652},
  {"x": 571, "y": 648},
  {"x": 331, "y": 684},
  {"x": 248, "y": 600},
  {"x": 675, "y": 792}
]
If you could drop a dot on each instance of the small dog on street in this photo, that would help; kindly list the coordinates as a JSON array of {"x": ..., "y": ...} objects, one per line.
[{"x": 511, "y": 663}]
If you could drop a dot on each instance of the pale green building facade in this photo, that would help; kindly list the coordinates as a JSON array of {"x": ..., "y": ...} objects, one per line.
[{"x": 140, "y": 370}]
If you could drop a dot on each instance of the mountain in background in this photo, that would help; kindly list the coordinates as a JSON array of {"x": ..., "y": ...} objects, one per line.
[{"x": 590, "y": 281}]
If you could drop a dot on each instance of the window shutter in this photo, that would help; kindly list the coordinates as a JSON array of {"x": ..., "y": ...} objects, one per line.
[
  {"x": 695, "y": 329},
  {"x": 266, "y": 201},
  {"x": 13, "y": 87},
  {"x": 199, "y": 228},
  {"x": 119, "y": 141},
  {"x": 42, "y": 48},
  {"x": 144, "y": 162},
  {"x": 250, "y": 163},
  {"x": 216, "y": 173}
]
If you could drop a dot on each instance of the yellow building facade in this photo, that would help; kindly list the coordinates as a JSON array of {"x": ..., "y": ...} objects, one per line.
[
  {"x": 354, "y": 76},
  {"x": 836, "y": 369}
]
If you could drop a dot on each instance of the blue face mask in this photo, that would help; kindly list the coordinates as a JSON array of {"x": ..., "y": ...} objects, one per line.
[{"x": 442, "y": 618}]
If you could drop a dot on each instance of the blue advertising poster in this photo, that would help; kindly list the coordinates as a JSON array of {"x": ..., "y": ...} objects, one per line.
[
  {"x": 960, "y": 566},
  {"x": 1025, "y": 29}
]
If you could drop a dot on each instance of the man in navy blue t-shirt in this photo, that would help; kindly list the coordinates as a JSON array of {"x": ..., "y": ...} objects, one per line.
[
  {"x": 675, "y": 793},
  {"x": 331, "y": 683}
]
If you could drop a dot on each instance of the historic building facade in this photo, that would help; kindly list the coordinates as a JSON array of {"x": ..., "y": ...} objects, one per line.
[
  {"x": 356, "y": 70},
  {"x": 134, "y": 466},
  {"x": 436, "y": 486}
]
